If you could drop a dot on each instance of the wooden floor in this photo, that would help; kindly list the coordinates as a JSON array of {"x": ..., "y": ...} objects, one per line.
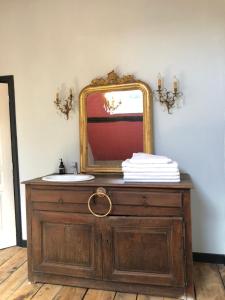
[{"x": 209, "y": 283}]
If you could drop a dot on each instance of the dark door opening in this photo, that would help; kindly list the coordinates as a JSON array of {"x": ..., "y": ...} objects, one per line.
[{"x": 9, "y": 80}]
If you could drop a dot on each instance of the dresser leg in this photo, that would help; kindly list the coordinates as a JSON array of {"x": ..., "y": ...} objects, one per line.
[{"x": 190, "y": 293}]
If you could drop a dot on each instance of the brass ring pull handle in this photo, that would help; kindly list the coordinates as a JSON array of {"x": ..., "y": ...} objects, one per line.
[{"x": 101, "y": 194}]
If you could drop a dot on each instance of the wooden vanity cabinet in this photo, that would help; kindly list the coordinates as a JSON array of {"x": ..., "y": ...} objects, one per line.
[{"x": 142, "y": 246}]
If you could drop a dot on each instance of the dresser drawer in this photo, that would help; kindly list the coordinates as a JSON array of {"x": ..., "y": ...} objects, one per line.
[
  {"x": 147, "y": 198},
  {"x": 60, "y": 196},
  {"x": 129, "y": 202},
  {"x": 118, "y": 197}
]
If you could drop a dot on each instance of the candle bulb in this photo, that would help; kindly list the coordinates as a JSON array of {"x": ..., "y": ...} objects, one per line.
[
  {"x": 159, "y": 81},
  {"x": 175, "y": 83},
  {"x": 57, "y": 101}
]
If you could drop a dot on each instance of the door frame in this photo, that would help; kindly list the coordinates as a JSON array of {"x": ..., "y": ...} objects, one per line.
[{"x": 9, "y": 80}]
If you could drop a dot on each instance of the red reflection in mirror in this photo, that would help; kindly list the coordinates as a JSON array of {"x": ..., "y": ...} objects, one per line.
[{"x": 118, "y": 133}]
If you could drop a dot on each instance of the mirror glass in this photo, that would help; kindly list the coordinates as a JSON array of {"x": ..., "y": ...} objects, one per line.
[
  {"x": 115, "y": 122},
  {"x": 114, "y": 126}
]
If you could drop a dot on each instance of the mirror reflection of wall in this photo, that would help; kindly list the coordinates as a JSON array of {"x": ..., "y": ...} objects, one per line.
[{"x": 114, "y": 125}]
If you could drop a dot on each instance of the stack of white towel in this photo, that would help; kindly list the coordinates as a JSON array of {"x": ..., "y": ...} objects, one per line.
[{"x": 144, "y": 167}]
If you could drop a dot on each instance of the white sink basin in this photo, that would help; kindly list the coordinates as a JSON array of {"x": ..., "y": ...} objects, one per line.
[{"x": 68, "y": 177}]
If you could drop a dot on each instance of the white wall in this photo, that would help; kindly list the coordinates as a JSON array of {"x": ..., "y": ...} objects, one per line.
[{"x": 47, "y": 43}]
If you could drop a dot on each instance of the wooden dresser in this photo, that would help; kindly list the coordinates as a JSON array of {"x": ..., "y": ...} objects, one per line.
[{"x": 143, "y": 245}]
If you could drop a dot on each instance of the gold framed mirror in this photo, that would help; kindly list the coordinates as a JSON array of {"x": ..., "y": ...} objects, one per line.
[{"x": 115, "y": 122}]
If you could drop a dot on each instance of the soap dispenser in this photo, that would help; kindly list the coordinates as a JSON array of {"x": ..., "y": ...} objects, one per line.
[{"x": 61, "y": 167}]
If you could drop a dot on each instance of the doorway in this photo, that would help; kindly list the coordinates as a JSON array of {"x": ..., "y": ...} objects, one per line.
[{"x": 10, "y": 213}]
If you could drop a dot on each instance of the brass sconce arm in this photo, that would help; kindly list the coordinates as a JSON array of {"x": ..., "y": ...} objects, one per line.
[
  {"x": 64, "y": 105},
  {"x": 165, "y": 97}
]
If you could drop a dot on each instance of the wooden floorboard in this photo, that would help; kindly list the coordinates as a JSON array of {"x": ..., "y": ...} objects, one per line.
[
  {"x": 222, "y": 273},
  {"x": 12, "y": 264},
  {"x": 47, "y": 292},
  {"x": 125, "y": 296},
  {"x": 13, "y": 282},
  {"x": 25, "y": 291},
  {"x": 209, "y": 283},
  {"x": 99, "y": 295},
  {"x": 146, "y": 297},
  {"x": 8, "y": 253},
  {"x": 70, "y": 293}
]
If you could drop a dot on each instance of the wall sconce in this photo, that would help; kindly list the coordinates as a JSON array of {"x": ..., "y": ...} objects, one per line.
[
  {"x": 64, "y": 105},
  {"x": 165, "y": 97}
]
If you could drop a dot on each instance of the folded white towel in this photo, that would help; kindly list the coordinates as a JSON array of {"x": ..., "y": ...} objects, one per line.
[
  {"x": 138, "y": 165},
  {"x": 151, "y": 174},
  {"x": 144, "y": 167},
  {"x": 152, "y": 177},
  {"x": 150, "y": 170},
  {"x": 149, "y": 158},
  {"x": 152, "y": 180}
]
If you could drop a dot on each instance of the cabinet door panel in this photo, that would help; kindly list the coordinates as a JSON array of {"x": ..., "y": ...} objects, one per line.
[
  {"x": 72, "y": 243},
  {"x": 144, "y": 250},
  {"x": 66, "y": 244}
]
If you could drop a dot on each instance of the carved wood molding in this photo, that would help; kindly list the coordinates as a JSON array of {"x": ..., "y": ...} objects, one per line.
[{"x": 113, "y": 78}]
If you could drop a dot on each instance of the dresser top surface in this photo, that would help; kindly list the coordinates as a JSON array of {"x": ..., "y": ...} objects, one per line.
[{"x": 116, "y": 181}]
